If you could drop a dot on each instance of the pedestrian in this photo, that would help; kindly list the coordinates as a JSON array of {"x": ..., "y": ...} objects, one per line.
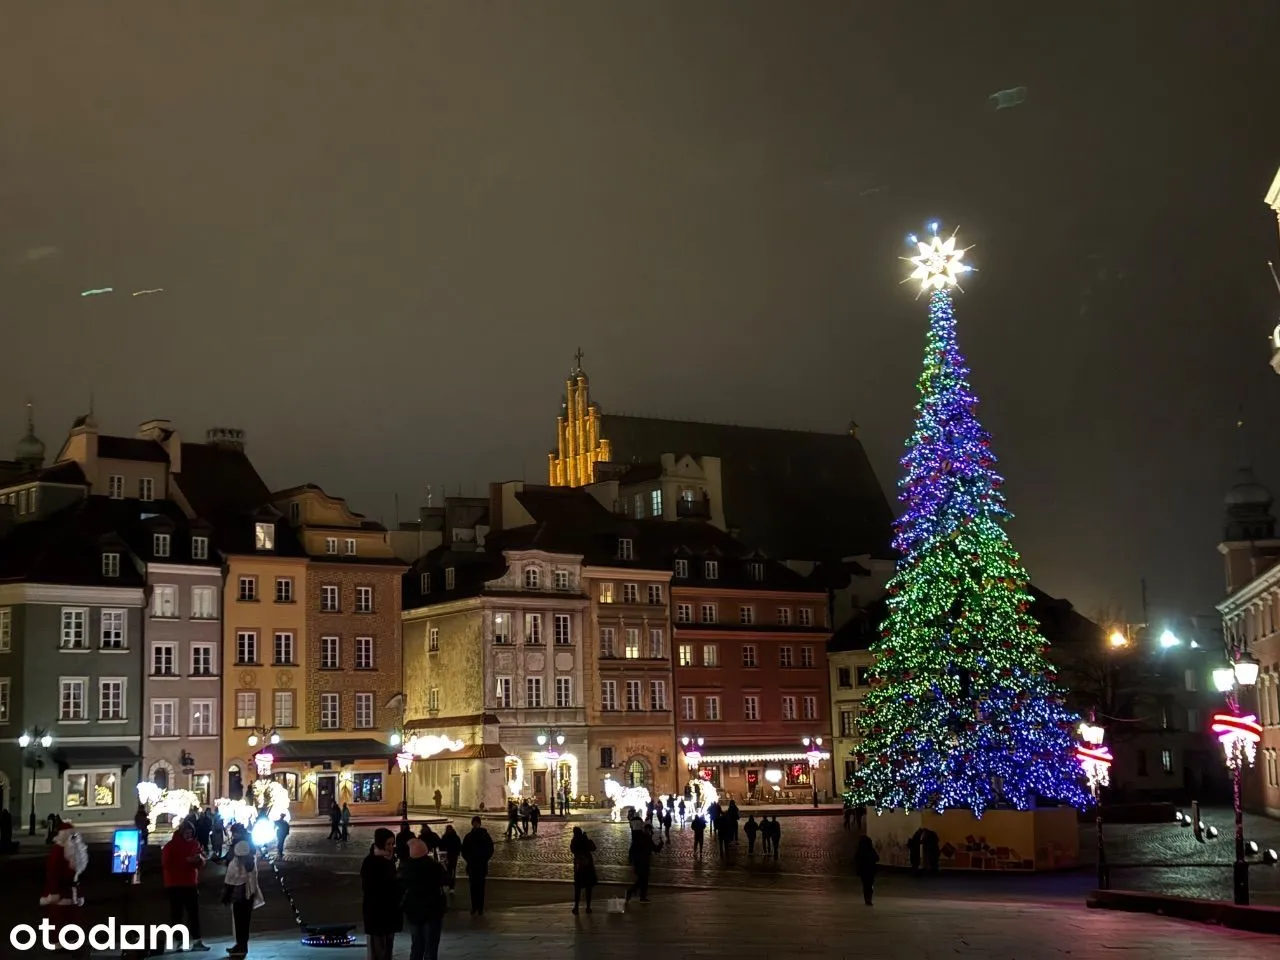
[
  {"x": 6, "y": 831},
  {"x": 346, "y": 823},
  {"x": 751, "y": 829},
  {"x": 402, "y": 841},
  {"x": 913, "y": 849},
  {"x": 666, "y": 825},
  {"x": 241, "y": 889},
  {"x": 513, "y": 818},
  {"x": 524, "y": 818},
  {"x": 217, "y": 834},
  {"x": 775, "y": 833},
  {"x": 731, "y": 815},
  {"x": 451, "y": 846},
  {"x": 424, "y": 903},
  {"x": 860, "y": 814},
  {"x": 477, "y": 851},
  {"x": 430, "y": 838},
  {"x": 380, "y": 906},
  {"x": 699, "y": 826},
  {"x": 929, "y": 846},
  {"x": 180, "y": 862},
  {"x": 142, "y": 823},
  {"x": 713, "y": 815},
  {"x": 204, "y": 829},
  {"x": 534, "y": 813},
  {"x": 67, "y": 858},
  {"x": 723, "y": 834},
  {"x": 584, "y": 867},
  {"x": 643, "y": 847},
  {"x": 681, "y": 809},
  {"x": 282, "y": 834},
  {"x": 438, "y": 797},
  {"x": 335, "y": 822},
  {"x": 864, "y": 865}
]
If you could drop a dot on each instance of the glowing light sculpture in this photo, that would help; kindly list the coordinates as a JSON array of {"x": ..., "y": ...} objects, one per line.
[
  {"x": 622, "y": 797},
  {"x": 1239, "y": 737},
  {"x": 175, "y": 804},
  {"x": 965, "y": 710}
]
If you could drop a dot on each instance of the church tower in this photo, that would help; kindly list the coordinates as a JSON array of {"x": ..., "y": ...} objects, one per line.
[{"x": 579, "y": 445}]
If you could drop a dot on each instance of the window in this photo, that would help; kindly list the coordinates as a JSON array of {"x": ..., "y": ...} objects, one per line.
[
  {"x": 709, "y": 613},
  {"x": 784, "y": 616},
  {"x": 1191, "y": 680},
  {"x": 684, "y": 654},
  {"x": 111, "y": 564},
  {"x": 199, "y": 548},
  {"x": 655, "y": 503},
  {"x": 533, "y": 628},
  {"x": 330, "y": 544},
  {"x": 630, "y": 593},
  {"x": 111, "y": 698},
  {"x": 655, "y": 594},
  {"x": 606, "y": 757},
  {"x": 688, "y": 708},
  {"x": 424, "y": 583},
  {"x": 160, "y": 544},
  {"x": 501, "y": 628},
  {"x": 366, "y": 788},
  {"x": 87, "y": 790},
  {"x": 711, "y": 708},
  {"x": 750, "y": 708},
  {"x": 755, "y": 570},
  {"x": 638, "y": 505},
  {"x": 433, "y": 699},
  {"x": 633, "y": 694},
  {"x": 349, "y": 547},
  {"x": 264, "y": 536},
  {"x": 863, "y": 676},
  {"x": 246, "y": 708},
  {"x": 609, "y": 695},
  {"x": 564, "y": 635},
  {"x": 115, "y": 487},
  {"x": 111, "y": 630},
  {"x": 711, "y": 569},
  {"x": 504, "y": 693},
  {"x": 710, "y": 655},
  {"x": 1166, "y": 761},
  {"x": 784, "y": 657},
  {"x": 164, "y": 602},
  {"x": 533, "y": 692},
  {"x": 247, "y": 647},
  {"x": 329, "y": 599},
  {"x": 22, "y": 502},
  {"x": 657, "y": 644},
  {"x": 364, "y": 653},
  {"x": 657, "y": 694},
  {"x": 684, "y": 613},
  {"x": 626, "y": 549},
  {"x": 532, "y": 577},
  {"x": 564, "y": 692},
  {"x": 284, "y": 589},
  {"x": 295, "y": 513},
  {"x": 562, "y": 579},
  {"x": 850, "y": 770},
  {"x": 73, "y": 628},
  {"x": 606, "y": 643},
  {"x": 788, "y": 708},
  {"x": 203, "y": 603},
  {"x": 682, "y": 569},
  {"x": 35, "y": 495},
  {"x": 606, "y": 593},
  {"x": 330, "y": 711},
  {"x": 364, "y": 709},
  {"x": 450, "y": 578},
  {"x": 632, "y": 649},
  {"x": 806, "y": 617},
  {"x": 364, "y": 599},
  {"x": 71, "y": 698},
  {"x": 283, "y": 648},
  {"x": 6, "y": 629},
  {"x": 746, "y": 614},
  {"x": 749, "y": 655},
  {"x": 844, "y": 679},
  {"x": 201, "y": 718},
  {"x": 282, "y": 708},
  {"x": 164, "y": 722},
  {"x": 202, "y": 660},
  {"x": 146, "y": 489},
  {"x": 848, "y": 723},
  {"x": 248, "y": 589},
  {"x": 330, "y": 653},
  {"x": 164, "y": 657},
  {"x": 806, "y": 656},
  {"x": 809, "y": 708}
]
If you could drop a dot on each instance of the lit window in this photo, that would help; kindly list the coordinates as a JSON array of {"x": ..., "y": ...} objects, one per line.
[
  {"x": 264, "y": 536},
  {"x": 655, "y": 503},
  {"x": 606, "y": 593},
  {"x": 366, "y": 788},
  {"x": 685, "y": 653},
  {"x": 632, "y": 650}
]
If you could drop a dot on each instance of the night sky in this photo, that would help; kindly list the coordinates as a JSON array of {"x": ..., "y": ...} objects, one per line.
[{"x": 383, "y": 229}]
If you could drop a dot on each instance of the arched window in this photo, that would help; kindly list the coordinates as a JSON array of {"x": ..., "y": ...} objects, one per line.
[
  {"x": 235, "y": 785},
  {"x": 637, "y": 774},
  {"x": 160, "y": 777}
]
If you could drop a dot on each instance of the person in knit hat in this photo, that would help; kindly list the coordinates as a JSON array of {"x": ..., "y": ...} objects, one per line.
[
  {"x": 423, "y": 881},
  {"x": 67, "y": 858}
]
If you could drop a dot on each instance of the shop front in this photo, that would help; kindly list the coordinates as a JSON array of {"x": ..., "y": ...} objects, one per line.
[
  {"x": 320, "y": 774},
  {"x": 764, "y": 775}
]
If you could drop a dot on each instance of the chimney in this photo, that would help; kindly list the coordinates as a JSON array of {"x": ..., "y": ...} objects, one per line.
[
  {"x": 225, "y": 438},
  {"x": 163, "y": 433}
]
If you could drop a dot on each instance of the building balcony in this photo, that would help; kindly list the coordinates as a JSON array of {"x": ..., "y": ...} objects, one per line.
[{"x": 698, "y": 508}]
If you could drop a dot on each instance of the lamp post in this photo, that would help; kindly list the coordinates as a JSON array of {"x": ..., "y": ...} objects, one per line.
[
  {"x": 692, "y": 747},
  {"x": 551, "y": 741},
  {"x": 813, "y": 751},
  {"x": 1239, "y": 735},
  {"x": 404, "y": 760},
  {"x": 1095, "y": 759},
  {"x": 34, "y": 745}
]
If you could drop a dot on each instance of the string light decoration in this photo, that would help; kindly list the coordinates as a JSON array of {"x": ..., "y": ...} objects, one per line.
[
  {"x": 965, "y": 710},
  {"x": 1239, "y": 737},
  {"x": 1094, "y": 756}
]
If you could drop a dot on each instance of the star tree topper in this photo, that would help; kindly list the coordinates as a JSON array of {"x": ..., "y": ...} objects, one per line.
[{"x": 939, "y": 264}]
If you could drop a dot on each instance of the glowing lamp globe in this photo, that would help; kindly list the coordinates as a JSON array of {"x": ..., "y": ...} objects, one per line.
[
  {"x": 773, "y": 776},
  {"x": 1118, "y": 639},
  {"x": 1224, "y": 678},
  {"x": 24, "y": 741},
  {"x": 1246, "y": 670}
]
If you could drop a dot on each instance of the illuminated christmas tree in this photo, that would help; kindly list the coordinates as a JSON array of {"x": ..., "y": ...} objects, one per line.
[{"x": 966, "y": 711}]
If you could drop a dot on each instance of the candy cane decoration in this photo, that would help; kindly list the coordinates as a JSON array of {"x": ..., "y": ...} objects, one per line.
[
  {"x": 1096, "y": 762},
  {"x": 1239, "y": 736}
]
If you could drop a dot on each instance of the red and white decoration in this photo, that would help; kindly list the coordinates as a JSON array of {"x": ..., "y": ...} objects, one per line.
[
  {"x": 1094, "y": 756},
  {"x": 1239, "y": 737}
]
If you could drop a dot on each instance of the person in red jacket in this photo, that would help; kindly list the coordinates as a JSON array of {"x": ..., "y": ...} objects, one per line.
[
  {"x": 181, "y": 860},
  {"x": 67, "y": 858}
]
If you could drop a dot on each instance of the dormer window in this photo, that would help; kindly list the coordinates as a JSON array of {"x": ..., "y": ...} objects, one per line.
[
  {"x": 330, "y": 544},
  {"x": 682, "y": 569},
  {"x": 562, "y": 579},
  {"x": 756, "y": 570},
  {"x": 425, "y": 583},
  {"x": 199, "y": 548},
  {"x": 160, "y": 544},
  {"x": 711, "y": 569},
  {"x": 264, "y": 536},
  {"x": 532, "y": 577},
  {"x": 626, "y": 549},
  {"x": 350, "y": 548},
  {"x": 450, "y": 578},
  {"x": 111, "y": 564}
]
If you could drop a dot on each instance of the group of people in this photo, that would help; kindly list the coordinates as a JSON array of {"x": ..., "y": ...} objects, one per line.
[
  {"x": 340, "y": 822},
  {"x": 522, "y": 818}
]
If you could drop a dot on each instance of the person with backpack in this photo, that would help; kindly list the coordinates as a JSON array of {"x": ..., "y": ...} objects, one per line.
[{"x": 425, "y": 903}]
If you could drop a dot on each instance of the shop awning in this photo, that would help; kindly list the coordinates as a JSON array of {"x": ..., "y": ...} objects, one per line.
[
  {"x": 330, "y": 751},
  {"x": 94, "y": 756},
  {"x": 758, "y": 755}
]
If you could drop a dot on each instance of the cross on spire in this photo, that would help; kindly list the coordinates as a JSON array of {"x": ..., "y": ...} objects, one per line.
[{"x": 577, "y": 359}]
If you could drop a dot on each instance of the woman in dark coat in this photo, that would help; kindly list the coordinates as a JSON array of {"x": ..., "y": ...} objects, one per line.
[
  {"x": 381, "y": 907},
  {"x": 584, "y": 866},
  {"x": 864, "y": 865}
]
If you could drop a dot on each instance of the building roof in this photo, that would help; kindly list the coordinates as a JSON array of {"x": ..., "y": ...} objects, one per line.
[
  {"x": 861, "y": 630},
  {"x": 797, "y": 495},
  {"x": 67, "y": 546},
  {"x": 130, "y": 448},
  {"x": 67, "y": 472},
  {"x": 218, "y": 481},
  {"x": 140, "y": 520}
]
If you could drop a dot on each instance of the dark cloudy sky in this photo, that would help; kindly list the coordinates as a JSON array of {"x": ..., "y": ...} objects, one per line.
[{"x": 383, "y": 229}]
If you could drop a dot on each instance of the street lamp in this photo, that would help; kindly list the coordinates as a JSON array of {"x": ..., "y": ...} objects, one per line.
[
  {"x": 692, "y": 747},
  {"x": 1239, "y": 735},
  {"x": 1095, "y": 759},
  {"x": 551, "y": 741},
  {"x": 404, "y": 760},
  {"x": 814, "y": 753},
  {"x": 1118, "y": 639},
  {"x": 33, "y": 744},
  {"x": 263, "y": 760}
]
